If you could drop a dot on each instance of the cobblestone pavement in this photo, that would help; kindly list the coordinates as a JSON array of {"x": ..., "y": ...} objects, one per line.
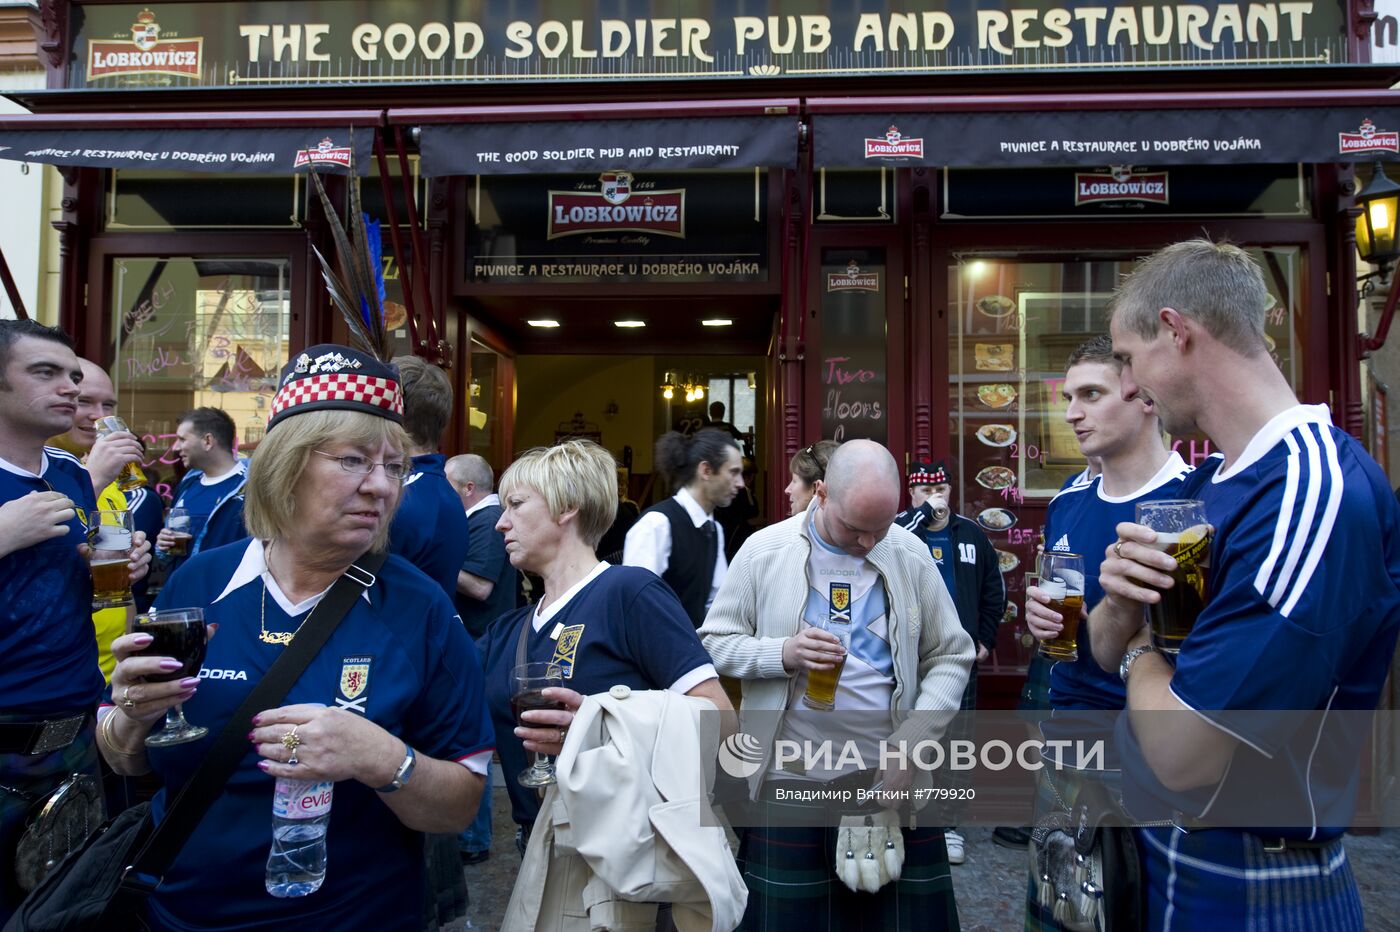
[{"x": 991, "y": 885}]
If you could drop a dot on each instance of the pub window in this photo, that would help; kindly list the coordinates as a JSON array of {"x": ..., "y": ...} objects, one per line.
[
  {"x": 855, "y": 195},
  {"x": 140, "y": 199},
  {"x": 197, "y": 332}
]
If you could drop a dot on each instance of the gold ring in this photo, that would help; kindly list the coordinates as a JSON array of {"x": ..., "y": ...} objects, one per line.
[
  {"x": 291, "y": 741},
  {"x": 127, "y": 701},
  {"x": 1118, "y": 550}
]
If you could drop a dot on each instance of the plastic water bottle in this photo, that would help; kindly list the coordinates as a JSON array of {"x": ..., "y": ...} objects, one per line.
[{"x": 301, "y": 811}]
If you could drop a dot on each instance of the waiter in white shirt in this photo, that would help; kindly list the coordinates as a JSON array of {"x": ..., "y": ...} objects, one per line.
[{"x": 678, "y": 539}]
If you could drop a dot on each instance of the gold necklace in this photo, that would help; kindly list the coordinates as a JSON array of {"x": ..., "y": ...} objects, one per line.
[{"x": 280, "y": 638}]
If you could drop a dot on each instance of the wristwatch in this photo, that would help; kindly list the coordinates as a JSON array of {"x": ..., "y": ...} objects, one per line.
[
  {"x": 401, "y": 775},
  {"x": 1130, "y": 656}
]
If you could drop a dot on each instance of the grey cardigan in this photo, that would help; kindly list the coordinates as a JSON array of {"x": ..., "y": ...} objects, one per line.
[{"x": 760, "y": 605}]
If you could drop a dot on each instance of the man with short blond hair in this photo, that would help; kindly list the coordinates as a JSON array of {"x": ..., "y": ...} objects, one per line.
[{"x": 1301, "y": 612}]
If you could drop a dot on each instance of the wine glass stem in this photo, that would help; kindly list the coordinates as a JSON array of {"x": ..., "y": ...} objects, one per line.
[{"x": 175, "y": 717}]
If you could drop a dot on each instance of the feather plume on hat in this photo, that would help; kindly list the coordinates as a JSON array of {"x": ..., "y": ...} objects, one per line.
[{"x": 355, "y": 289}]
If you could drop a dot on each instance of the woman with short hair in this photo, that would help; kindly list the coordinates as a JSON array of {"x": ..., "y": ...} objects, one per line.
[
  {"x": 603, "y": 625},
  {"x": 391, "y": 709},
  {"x": 808, "y": 469}
]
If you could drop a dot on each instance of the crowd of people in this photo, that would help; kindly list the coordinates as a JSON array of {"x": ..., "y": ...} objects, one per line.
[{"x": 873, "y": 577}]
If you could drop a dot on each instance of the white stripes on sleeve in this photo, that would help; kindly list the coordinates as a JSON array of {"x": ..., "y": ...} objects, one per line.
[{"x": 1314, "y": 478}]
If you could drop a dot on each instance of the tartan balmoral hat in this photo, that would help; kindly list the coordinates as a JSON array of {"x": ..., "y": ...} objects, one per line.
[
  {"x": 331, "y": 377},
  {"x": 928, "y": 474}
]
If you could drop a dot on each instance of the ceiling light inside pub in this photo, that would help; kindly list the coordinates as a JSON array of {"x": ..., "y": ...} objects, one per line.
[
  {"x": 717, "y": 322},
  {"x": 629, "y": 324},
  {"x": 543, "y": 322}
]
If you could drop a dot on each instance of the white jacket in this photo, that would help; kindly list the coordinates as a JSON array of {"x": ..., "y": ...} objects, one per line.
[{"x": 629, "y": 824}]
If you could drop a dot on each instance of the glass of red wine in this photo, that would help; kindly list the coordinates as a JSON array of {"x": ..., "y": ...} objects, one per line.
[
  {"x": 177, "y": 633},
  {"x": 528, "y": 683}
]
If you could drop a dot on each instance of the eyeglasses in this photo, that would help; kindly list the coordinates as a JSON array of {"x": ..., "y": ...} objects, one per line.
[{"x": 362, "y": 466}]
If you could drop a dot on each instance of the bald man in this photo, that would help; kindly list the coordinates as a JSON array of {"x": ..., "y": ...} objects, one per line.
[{"x": 837, "y": 584}]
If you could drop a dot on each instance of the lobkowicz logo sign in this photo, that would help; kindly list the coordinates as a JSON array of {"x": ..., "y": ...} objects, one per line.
[
  {"x": 145, "y": 52},
  {"x": 894, "y": 146},
  {"x": 1368, "y": 140},
  {"x": 617, "y": 207},
  {"x": 1120, "y": 184},
  {"x": 853, "y": 279}
]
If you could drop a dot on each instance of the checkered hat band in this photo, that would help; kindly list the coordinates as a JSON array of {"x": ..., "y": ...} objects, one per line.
[
  {"x": 335, "y": 386},
  {"x": 937, "y": 477}
]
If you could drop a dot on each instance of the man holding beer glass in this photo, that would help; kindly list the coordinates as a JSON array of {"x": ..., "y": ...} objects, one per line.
[
  {"x": 1136, "y": 466},
  {"x": 52, "y": 682},
  {"x": 840, "y": 564},
  {"x": 209, "y": 495},
  {"x": 109, "y": 456},
  {"x": 1301, "y": 611}
]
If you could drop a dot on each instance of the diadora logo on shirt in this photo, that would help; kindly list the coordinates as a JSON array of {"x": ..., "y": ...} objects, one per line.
[
  {"x": 205, "y": 673},
  {"x": 1062, "y": 545}
]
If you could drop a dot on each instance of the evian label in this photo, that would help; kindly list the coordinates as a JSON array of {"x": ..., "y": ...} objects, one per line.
[
  {"x": 894, "y": 145},
  {"x": 1368, "y": 140},
  {"x": 1120, "y": 184},
  {"x": 853, "y": 279},
  {"x": 326, "y": 152},
  {"x": 295, "y": 799},
  {"x": 616, "y": 207},
  {"x": 145, "y": 53}
]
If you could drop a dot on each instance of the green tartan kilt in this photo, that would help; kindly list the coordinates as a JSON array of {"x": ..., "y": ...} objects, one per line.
[{"x": 793, "y": 887}]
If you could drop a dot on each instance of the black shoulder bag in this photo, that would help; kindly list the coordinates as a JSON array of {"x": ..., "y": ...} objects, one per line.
[{"x": 101, "y": 885}]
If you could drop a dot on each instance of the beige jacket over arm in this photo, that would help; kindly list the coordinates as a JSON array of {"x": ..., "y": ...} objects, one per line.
[
  {"x": 630, "y": 824},
  {"x": 760, "y": 606}
]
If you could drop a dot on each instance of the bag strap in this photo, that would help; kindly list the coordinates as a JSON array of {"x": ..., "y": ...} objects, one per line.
[
  {"x": 199, "y": 792},
  {"x": 522, "y": 638}
]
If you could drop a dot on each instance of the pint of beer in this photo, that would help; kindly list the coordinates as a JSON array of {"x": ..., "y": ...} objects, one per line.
[
  {"x": 178, "y": 524},
  {"x": 109, "y": 543},
  {"x": 1062, "y": 578},
  {"x": 1182, "y": 533},
  {"x": 821, "y": 687},
  {"x": 131, "y": 476},
  {"x": 821, "y": 684}
]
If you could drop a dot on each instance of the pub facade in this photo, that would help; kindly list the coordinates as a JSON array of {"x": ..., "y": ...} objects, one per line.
[{"x": 868, "y": 219}]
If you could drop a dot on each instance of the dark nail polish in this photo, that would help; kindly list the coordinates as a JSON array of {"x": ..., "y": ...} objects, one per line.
[
  {"x": 250, "y": 736},
  {"x": 257, "y": 719},
  {"x": 262, "y": 765}
]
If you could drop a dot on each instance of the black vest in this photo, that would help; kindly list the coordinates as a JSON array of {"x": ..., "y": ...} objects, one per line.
[{"x": 691, "y": 569}]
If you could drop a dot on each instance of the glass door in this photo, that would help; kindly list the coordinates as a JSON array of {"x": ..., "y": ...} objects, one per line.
[{"x": 193, "y": 332}]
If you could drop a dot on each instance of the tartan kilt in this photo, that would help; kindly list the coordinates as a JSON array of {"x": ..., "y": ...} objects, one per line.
[
  {"x": 1223, "y": 879},
  {"x": 793, "y": 886},
  {"x": 1035, "y": 694}
]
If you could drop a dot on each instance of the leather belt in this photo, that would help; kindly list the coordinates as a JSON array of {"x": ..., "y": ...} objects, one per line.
[{"x": 40, "y": 736}]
